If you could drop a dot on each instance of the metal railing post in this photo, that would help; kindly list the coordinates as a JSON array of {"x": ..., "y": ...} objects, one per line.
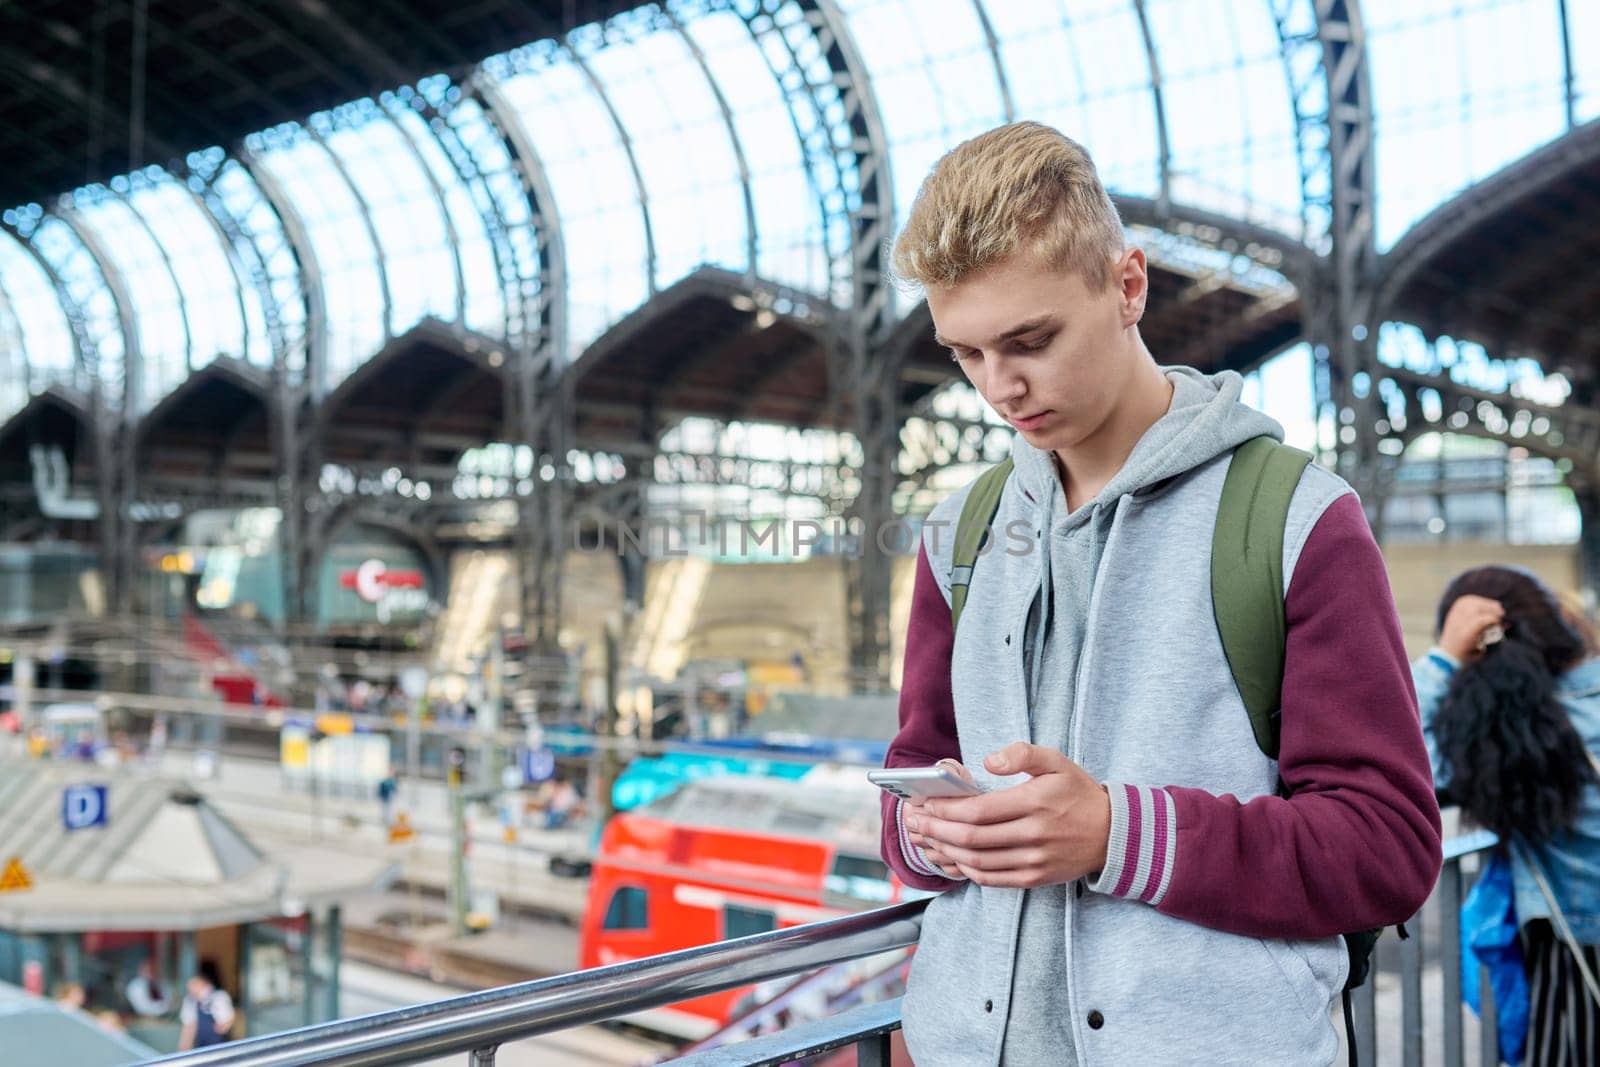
[
  {"x": 1365, "y": 1002},
  {"x": 1450, "y": 959},
  {"x": 482, "y": 1057},
  {"x": 1411, "y": 998},
  {"x": 1488, "y": 1024}
]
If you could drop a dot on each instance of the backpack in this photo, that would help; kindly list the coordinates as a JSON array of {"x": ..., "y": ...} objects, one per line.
[{"x": 1246, "y": 596}]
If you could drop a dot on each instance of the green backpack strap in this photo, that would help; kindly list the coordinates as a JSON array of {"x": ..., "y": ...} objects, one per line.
[
  {"x": 977, "y": 513},
  {"x": 1247, "y": 576}
]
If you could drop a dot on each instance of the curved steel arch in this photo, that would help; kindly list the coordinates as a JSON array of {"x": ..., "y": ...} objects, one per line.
[
  {"x": 1296, "y": 24},
  {"x": 626, "y": 140},
  {"x": 379, "y": 254},
  {"x": 1287, "y": 256},
  {"x": 1002, "y": 79},
  {"x": 232, "y": 255},
  {"x": 544, "y": 213},
  {"x": 83, "y": 344},
  {"x": 172, "y": 275},
  {"x": 451, "y": 236},
  {"x": 127, "y": 315},
  {"x": 236, "y": 245},
  {"x": 310, "y": 272},
  {"x": 1163, "y": 143},
  {"x": 1517, "y": 181}
]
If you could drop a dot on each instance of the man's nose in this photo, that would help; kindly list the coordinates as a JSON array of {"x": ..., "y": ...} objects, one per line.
[{"x": 1006, "y": 384}]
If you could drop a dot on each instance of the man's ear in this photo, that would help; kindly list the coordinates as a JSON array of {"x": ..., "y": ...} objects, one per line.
[{"x": 1132, "y": 279}]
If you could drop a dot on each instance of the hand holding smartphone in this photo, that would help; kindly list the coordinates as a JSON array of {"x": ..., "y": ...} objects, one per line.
[{"x": 923, "y": 783}]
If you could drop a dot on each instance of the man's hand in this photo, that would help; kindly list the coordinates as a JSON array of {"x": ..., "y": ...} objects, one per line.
[{"x": 1051, "y": 829}]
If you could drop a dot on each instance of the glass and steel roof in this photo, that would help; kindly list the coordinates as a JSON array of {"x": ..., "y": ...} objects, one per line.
[{"x": 557, "y": 188}]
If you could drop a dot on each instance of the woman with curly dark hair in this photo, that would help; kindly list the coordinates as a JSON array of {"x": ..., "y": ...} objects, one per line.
[{"x": 1510, "y": 701}]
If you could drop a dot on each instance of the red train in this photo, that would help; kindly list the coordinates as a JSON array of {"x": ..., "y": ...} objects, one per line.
[{"x": 726, "y": 857}]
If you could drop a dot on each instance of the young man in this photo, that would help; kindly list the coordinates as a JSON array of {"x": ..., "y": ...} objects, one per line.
[{"x": 1132, "y": 887}]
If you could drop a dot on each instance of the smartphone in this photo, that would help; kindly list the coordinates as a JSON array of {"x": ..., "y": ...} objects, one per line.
[{"x": 920, "y": 783}]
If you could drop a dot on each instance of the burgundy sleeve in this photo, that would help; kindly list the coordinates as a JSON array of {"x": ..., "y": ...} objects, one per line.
[
  {"x": 1358, "y": 844},
  {"x": 927, "y": 717}
]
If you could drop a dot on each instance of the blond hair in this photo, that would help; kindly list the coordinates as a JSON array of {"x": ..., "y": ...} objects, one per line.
[{"x": 1024, "y": 187}]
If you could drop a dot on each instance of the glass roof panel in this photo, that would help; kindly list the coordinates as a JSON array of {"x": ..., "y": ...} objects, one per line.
[
  {"x": 408, "y": 217},
  {"x": 501, "y": 196},
  {"x": 36, "y": 347},
  {"x": 214, "y": 302},
  {"x": 1081, "y": 67},
  {"x": 261, "y": 241},
  {"x": 602, "y": 221},
  {"x": 683, "y": 146},
  {"x": 158, "y": 304},
  {"x": 1460, "y": 89},
  {"x": 348, "y": 262},
  {"x": 80, "y": 275},
  {"x": 934, "y": 77},
  {"x": 788, "y": 212},
  {"x": 1229, "y": 124},
  {"x": 485, "y": 302},
  {"x": 1583, "y": 29}
]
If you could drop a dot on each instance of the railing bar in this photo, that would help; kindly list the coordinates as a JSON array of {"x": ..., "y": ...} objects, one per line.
[
  {"x": 1488, "y": 1029},
  {"x": 462, "y": 1024},
  {"x": 1450, "y": 960},
  {"x": 478, "y": 1023},
  {"x": 1411, "y": 997},
  {"x": 1366, "y": 1005}
]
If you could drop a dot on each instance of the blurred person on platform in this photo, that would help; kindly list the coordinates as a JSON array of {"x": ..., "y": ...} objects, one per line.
[
  {"x": 71, "y": 996},
  {"x": 207, "y": 1011},
  {"x": 1510, "y": 701},
  {"x": 147, "y": 995}
]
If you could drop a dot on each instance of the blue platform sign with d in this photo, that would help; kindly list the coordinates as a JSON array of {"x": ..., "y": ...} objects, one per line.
[
  {"x": 538, "y": 765},
  {"x": 83, "y": 806}
]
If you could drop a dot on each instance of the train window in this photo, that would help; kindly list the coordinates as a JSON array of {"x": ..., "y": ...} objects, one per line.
[
  {"x": 742, "y": 922},
  {"x": 859, "y": 878},
  {"x": 629, "y": 910}
]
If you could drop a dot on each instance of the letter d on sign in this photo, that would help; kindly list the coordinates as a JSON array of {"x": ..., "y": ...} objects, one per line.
[{"x": 83, "y": 806}]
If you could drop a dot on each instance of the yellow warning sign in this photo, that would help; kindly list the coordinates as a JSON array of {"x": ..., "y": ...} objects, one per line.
[
  {"x": 15, "y": 876},
  {"x": 402, "y": 829}
]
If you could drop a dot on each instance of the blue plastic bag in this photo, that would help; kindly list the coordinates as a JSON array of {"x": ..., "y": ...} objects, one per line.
[{"x": 1489, "y": 937}]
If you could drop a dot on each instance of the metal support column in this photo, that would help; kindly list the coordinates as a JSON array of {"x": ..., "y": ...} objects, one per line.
[
  {"x": 1347, "y": 332},
  {"x": 873, "y": 378},
  {"x": 308, "y": 968},
  {"x": 334, "y": 949}
]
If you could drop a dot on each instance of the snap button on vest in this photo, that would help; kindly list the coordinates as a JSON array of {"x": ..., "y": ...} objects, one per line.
[
  {"x": 988, "y": 1005},
  {"x": 1096, "y": 1020}
]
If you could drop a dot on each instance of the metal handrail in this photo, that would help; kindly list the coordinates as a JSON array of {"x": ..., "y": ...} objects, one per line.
[{"x": 480, "y": 1022}]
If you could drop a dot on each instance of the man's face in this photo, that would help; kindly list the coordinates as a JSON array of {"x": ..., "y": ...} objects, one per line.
[{"x": 1049, "y": 354}]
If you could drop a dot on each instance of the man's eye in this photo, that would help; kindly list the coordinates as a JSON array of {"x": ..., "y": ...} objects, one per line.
[
  {"x": 959, "y": 354},
  {"x": 1033, "y": 345}
]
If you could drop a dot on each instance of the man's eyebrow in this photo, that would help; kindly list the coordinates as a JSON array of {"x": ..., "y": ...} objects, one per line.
[{"x": 1015, "y": 331}]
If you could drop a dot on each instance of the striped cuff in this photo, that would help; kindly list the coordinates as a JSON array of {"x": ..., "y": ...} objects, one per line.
[
  {"x": 1143, "y": 845},
  {"x": 916, "y": 859}
]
